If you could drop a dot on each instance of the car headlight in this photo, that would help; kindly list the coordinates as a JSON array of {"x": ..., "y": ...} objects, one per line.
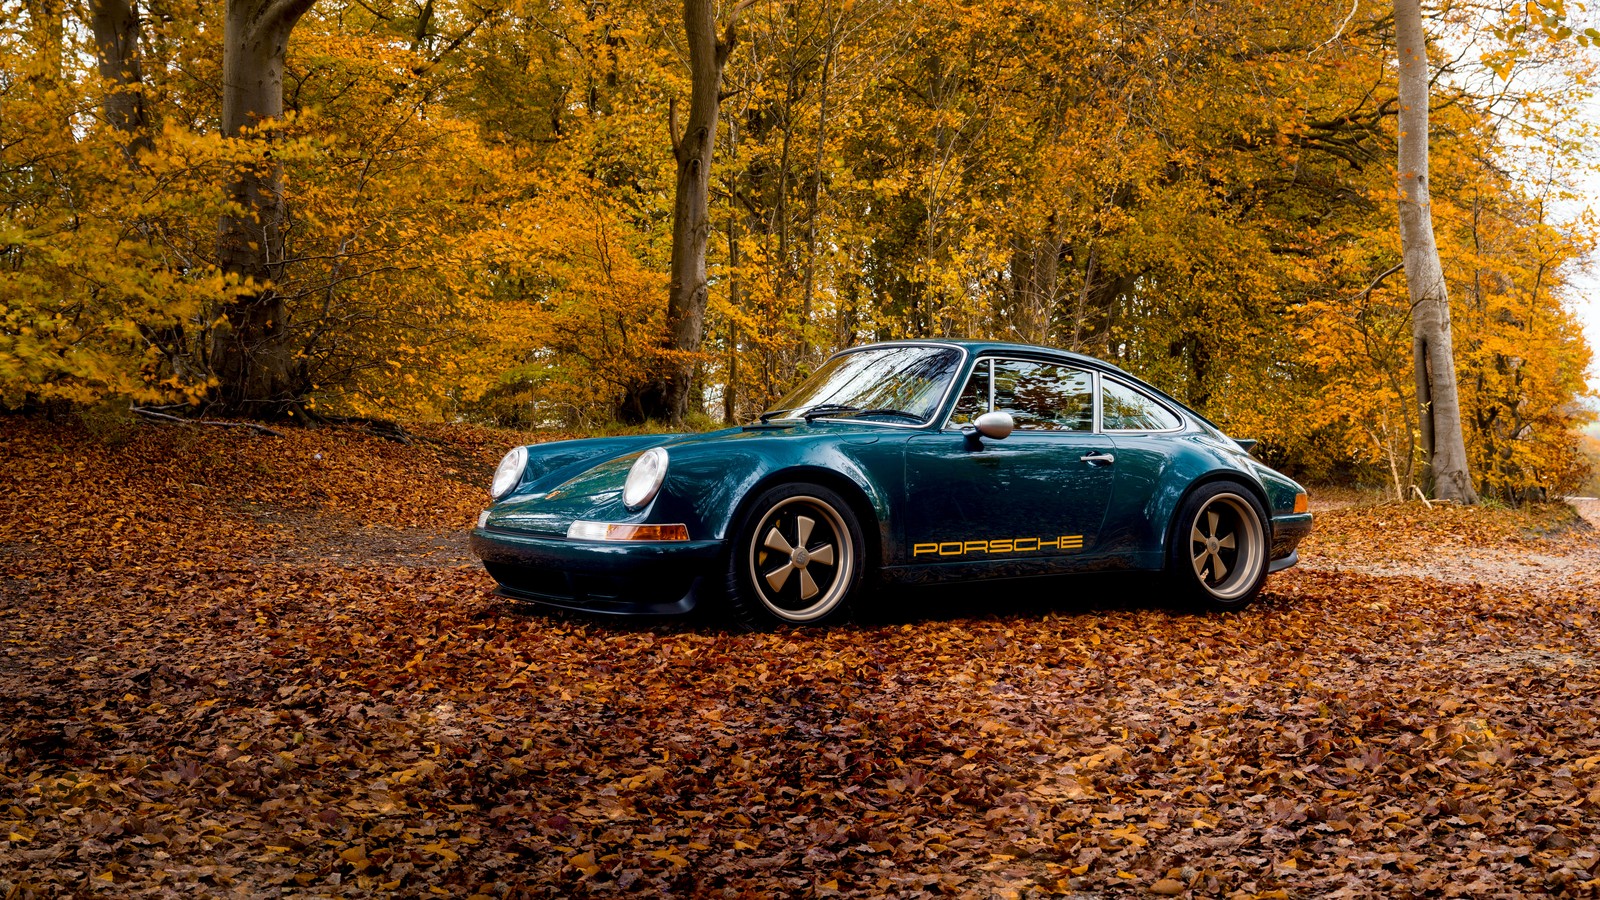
[
  {"x": 509, "y": 473},
  {"x": 644, "y": 479}
]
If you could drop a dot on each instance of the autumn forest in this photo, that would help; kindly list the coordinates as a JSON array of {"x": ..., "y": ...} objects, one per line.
[
  {"x": 282, "y": 281},
  {"x": 445, "y": 210}
]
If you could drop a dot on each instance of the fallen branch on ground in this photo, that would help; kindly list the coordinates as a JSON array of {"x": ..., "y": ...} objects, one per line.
[
  {"x": 384, "y": 428},
  {"x": 215, "y": 423}
]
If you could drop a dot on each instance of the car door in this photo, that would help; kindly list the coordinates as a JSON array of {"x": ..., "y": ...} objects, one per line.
[{"x": 1033, "y": 502}]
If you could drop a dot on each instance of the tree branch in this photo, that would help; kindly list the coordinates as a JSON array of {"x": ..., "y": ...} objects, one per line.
[
  {"x": 179, "y": 420},
  {"x": 280, "y": 15},
  {"x": 730, "y": 35},
  {"x": 1354, "y": 5},
  {"x": 1377, "y": 281}
]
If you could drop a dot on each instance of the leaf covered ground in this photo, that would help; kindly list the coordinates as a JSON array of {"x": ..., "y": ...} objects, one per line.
[{"x": 237, "y": 665}]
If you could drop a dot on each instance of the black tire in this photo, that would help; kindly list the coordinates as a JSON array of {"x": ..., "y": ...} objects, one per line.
[
  {"x": 1220, "y": 548},
  {"x": 782, "y": 571}
]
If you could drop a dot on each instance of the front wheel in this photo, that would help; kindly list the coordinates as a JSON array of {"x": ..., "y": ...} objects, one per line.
[
  {"x": 797, "y": 558},
  {"x": 1218, "y": 556}
]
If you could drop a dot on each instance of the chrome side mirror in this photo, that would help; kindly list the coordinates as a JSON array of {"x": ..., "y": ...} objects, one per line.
[{"x": 996, "y": 426}]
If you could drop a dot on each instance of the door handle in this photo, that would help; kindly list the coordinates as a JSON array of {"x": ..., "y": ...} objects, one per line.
[{"x": 1098, "y": 459}]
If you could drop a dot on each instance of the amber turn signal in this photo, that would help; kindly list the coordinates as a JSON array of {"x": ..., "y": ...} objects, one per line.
[
  {"x": 1302, "y": 502},
  {"x": 607, "y": 531}
]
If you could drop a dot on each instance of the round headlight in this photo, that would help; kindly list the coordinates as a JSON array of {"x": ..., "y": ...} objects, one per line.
[
  {"x": 645, "y": 478},
  {"x": 509, "y": 473}
]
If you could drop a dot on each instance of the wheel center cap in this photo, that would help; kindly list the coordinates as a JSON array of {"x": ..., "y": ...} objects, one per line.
[
  {"x": 800, "y": 556},
  {"x": 1212, "y": 544}
]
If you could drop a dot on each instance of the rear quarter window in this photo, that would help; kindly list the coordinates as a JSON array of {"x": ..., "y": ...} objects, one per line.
[{"x": 1124, "y": 408}]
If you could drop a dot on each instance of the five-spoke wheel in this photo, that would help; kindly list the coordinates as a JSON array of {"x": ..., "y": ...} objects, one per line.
[
  {"x": 1219, "y": 553},
  {"x": 798, "y": 557}
]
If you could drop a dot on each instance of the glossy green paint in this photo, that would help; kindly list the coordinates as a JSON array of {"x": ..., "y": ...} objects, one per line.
[
  {"x": 708, "y": 477},
  {"x": 1032, "y": 485},
  {"x": 923, "y": 485}
]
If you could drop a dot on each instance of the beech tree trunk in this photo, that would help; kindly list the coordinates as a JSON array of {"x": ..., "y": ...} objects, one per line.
[
  {"x": 667, "y": 395},
  {"x": 1433, "y": 356},
  {"x": 251, "y": 354},
  {"x": 116, "y": 46}
]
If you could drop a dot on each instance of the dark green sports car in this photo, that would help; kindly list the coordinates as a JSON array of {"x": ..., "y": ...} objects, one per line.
[{"x": 912, "y": 461}]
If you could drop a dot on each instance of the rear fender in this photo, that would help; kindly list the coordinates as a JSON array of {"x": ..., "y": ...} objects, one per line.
[{"x": 1187, "y": 468}]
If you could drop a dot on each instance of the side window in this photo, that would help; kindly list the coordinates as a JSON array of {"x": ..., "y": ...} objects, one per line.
[
  {"x": 974, "y": 399},
  {"x": 1044, "y": 396},
  {"x": 1126, "y": 409}
]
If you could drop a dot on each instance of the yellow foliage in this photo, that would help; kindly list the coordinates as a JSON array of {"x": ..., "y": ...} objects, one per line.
[{"x": 480, "y": 204}]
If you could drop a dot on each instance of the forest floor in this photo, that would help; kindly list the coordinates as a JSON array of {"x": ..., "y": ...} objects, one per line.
[{"x": 234, "y": 665}]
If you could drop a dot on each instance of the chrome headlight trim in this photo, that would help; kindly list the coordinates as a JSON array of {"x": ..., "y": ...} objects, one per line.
[
  {"x": 645, "y": 478},
  {"x": 509, "y": 473}
]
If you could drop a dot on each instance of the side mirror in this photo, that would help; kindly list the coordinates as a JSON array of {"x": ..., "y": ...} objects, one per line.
[{"x": 995, "y": 425}]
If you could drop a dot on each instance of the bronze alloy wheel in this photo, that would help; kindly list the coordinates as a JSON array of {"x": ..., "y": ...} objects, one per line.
[
  {"x": 799, "y": 558},
  {"x": 1220, "y": 551}
]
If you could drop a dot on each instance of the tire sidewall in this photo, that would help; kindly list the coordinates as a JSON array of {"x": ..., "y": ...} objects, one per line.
[
  {"x": 1180, "y": 569},
  {"x": 743, "y": 600}
]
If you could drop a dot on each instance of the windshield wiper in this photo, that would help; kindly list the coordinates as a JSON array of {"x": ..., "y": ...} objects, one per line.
[
  {"x": 828, "y": 409},
  {"x": 771, "y": 414},
  {"x": 886, "y": 411}
]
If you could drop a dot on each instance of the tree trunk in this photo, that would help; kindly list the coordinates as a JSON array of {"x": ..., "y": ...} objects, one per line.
[
  {"x": 667, "y": 396},
  {"x": 1432, "y": 352},
  {"x": 251, "y": 355},
  {"x": 730, "y": 393},
  {"x": 46, "y": 33},
  {"x": 1080, "y": 315},
  {"x": 116, "y": 45},
  {"x": 814, "y": 195},
  {"x": 1035, "y": 267}
]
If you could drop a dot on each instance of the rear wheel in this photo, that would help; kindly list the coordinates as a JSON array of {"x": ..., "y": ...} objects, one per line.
[
  {"x": 797, "y": 559},
  {"x": 1218, "y": 556}
]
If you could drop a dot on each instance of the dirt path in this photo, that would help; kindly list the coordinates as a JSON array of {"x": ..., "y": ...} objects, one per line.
[
  {"x": 1374, "y": 541},
  {"x": 1589, "y": 508}
]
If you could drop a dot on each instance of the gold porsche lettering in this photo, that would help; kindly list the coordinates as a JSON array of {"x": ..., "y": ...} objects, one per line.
[{"x": 999, "y": 545}]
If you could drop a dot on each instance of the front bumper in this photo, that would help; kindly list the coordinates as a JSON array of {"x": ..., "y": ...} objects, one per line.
[
  {"x": 1287, "y": 533},
  {"x": 622, "y": 578}
]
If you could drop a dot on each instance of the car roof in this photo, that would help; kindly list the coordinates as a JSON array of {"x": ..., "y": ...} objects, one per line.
[{"x": 979, "y": 348}]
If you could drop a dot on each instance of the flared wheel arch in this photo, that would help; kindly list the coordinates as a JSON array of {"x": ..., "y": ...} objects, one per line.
[
  {"x": 866, "y": 514},
  {"x": 1171, "y": 533}
]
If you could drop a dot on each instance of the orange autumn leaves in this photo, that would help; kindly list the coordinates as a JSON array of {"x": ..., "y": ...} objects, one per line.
[{"x": 296, "y": 679}]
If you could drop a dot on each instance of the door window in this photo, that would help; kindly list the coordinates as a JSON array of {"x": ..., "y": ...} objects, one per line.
[
  {"x": 1044, "y": 396},
  {"x": 1039, "y": 396}
]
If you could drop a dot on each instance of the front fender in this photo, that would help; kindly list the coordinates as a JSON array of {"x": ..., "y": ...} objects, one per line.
[
  {"x": 553, "y": 462},
  {"x": 708, "y": 487}
]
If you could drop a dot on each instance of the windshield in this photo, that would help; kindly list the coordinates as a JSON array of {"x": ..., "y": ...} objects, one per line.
[{"x": 886, "y": 383}]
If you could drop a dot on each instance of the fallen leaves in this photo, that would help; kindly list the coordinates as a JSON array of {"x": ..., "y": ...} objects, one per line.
[{"x": 275, "y": 689}]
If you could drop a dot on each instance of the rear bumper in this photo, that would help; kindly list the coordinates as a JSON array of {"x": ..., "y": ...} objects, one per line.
[
  {"x": 619, "y": 578},
  {"x": 1287, "y": 533}
]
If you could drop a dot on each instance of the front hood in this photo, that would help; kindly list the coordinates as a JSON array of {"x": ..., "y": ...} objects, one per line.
[
  {"x": 554, "y": 464},
  {"x": 570, "y": 480},
  {"x": 593, "y": 493}
]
